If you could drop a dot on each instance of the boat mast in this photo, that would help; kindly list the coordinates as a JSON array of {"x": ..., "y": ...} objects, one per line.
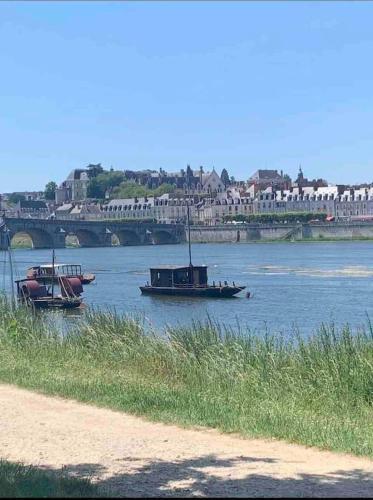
[
  {"x": 190, "y": 248},
  {"x": 12, "y": 300},
  {"x": 53, "y": 273},
  {"x": 10, "y": 260}
]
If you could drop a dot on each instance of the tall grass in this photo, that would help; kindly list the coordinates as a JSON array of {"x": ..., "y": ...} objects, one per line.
[
  {"x": 317, "y": 391},
  {"x": 22, "y": 481}
]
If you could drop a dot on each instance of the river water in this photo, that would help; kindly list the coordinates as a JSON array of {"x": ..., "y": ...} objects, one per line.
[{"x": 293, "y": 285}]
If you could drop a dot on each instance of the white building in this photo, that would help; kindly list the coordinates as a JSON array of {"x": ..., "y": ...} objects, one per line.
[
  {"x": 355, "y": 202},
  {"x": 163, "y": 208},
  {"x": 328, "y": 199}
]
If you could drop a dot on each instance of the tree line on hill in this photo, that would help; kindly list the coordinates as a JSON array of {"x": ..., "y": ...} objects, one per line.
[{"x": 113, "y": 181}]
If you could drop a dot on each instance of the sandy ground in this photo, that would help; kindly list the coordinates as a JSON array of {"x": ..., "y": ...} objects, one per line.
[{"x": 129, "y": 456}]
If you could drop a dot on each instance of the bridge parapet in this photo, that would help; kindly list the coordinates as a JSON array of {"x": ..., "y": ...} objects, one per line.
[{"x": 49, "y": 233}]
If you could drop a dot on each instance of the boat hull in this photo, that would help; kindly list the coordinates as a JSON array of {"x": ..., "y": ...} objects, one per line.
[
  {"x": 52, "y": 303},
  {"x": 208, "y": 292}
]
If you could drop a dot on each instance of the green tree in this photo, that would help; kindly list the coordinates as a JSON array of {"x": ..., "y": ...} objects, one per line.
[
  {"x": 130, "y": 189},
  {"x": 16, "y": 197},
  {"x": 225, "y": 177},
  {"x": 163, "y": 189},
  {"x": 278, "y": 217},
  {"x": 94, "y": 189},
  {"x": 50, "y": 190},
  {"x": 94, "y": 170},
  {"x": 98, "y": 185}
]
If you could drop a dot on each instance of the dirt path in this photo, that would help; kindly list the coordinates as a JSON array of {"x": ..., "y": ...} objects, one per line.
[{"x": 134, "y": 457}]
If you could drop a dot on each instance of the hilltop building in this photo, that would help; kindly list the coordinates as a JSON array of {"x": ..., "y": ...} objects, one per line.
[
  {"x": 267, "y": 191},
  {"x": 303, "y": 182},
  {"x": 192, "y": 181},
  {"x": 74, "y": 188},
  {"x": 262, "y": 179},
  {"x": 265, "y": 177}
]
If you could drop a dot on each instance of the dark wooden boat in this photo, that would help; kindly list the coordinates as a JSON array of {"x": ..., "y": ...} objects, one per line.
[
  {"x": 46, "y": 271},
  {"x": 42, "y": 295},
  {"x": 39, "y": 292},
  {"x": 187, "y": 281}
]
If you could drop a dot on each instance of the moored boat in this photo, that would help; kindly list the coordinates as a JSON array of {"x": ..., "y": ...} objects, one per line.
[
  {"x": 39, "y": 291},
  {"x": 48, "y": 273},
  {"x": 187, "y": 281},
  {"x": 42, "y": 295}
]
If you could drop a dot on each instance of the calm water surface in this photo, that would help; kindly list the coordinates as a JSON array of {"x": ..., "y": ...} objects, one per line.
[{"x": 292, "y": 284}]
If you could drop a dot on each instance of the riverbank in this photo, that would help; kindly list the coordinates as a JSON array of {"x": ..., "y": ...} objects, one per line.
[
  {"x": 287, "y": 241},
  {"x": 273, "y": 232},
  {"x": 316, "y": 392}
]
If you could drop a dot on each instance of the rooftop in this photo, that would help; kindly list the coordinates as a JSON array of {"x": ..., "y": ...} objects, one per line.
[
  {"x": 33, "y": 204},
  {"x": 266, "y": 174},
  {"x": 173, "y": 267}
]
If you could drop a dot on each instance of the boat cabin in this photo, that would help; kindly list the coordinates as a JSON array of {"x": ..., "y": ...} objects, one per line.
[
  {"x": 178, "y": 276},
  {"x": 64, "y": 269}
]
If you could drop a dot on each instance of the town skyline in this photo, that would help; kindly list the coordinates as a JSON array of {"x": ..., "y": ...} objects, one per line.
[{"x": 50, "y": 178}]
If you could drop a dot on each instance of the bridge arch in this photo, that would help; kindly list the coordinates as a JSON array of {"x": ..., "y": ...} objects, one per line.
[
  {"x": 128, "y": 237},
  {"x": 162, "y": 237},
  {"x": 39, "y": 237},
  {"x": 87, "y": 238}
]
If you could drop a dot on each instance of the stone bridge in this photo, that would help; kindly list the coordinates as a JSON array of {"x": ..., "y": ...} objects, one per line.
[{"x": 47, "y": 233}]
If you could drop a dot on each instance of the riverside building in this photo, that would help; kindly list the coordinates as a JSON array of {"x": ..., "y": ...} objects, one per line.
[
  {"x": 210, "y": 210},
  {"x": 337, "y": 201}
]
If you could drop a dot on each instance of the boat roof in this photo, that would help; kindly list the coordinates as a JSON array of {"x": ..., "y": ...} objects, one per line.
[
  {"x": 56, "y": 265},
  {"x": 174, "y": 267}
]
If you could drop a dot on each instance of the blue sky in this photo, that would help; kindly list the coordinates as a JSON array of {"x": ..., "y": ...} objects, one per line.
[{"x": 240, "y": 85}]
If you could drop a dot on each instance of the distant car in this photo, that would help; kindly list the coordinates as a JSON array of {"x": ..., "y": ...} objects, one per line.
[{"x": 313, "y": 221}]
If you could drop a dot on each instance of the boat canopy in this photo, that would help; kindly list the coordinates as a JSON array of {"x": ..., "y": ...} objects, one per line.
[
  {"x": 47, "y": 269},
  {"x": 169, "y": 276}
]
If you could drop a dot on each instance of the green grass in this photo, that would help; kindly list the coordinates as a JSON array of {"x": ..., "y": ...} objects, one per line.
[
  {"x": 318, "y": 392},
  {"x": 21, "y": 481}
]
